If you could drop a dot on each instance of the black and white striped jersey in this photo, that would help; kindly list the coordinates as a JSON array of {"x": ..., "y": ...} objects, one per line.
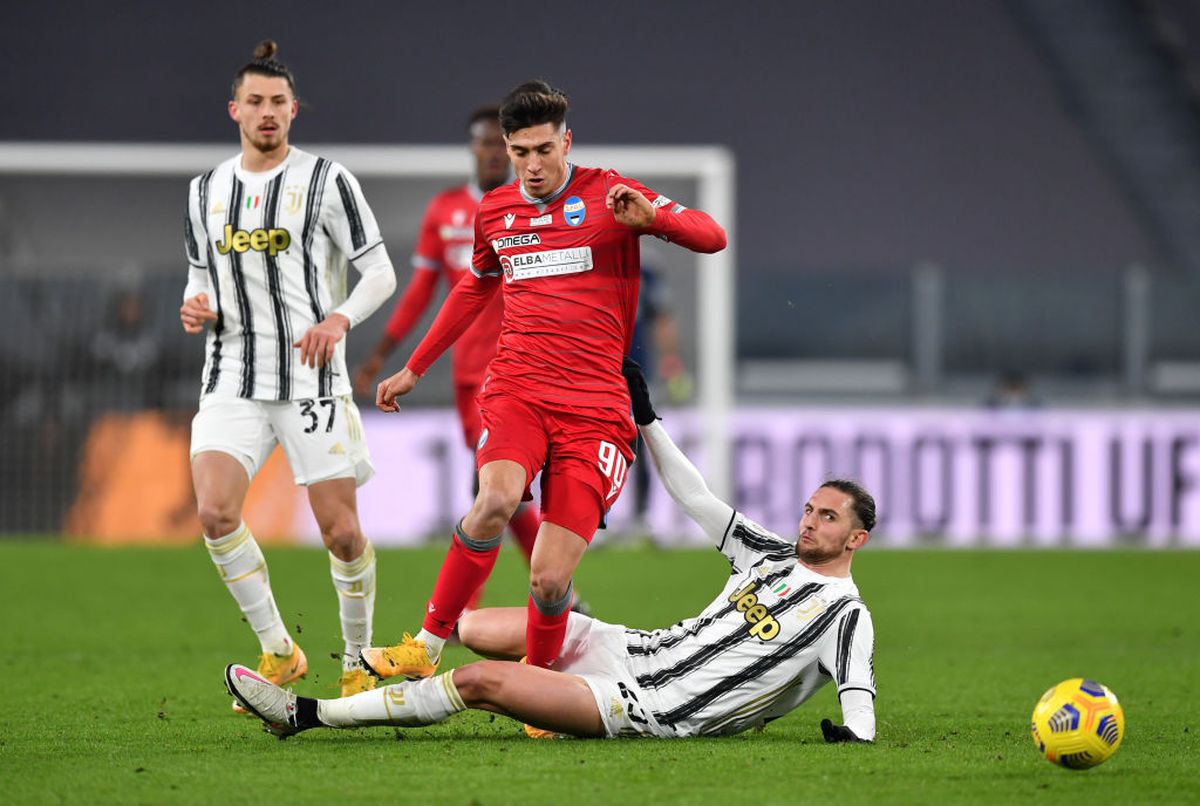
[
  {"x": 776, "y": 633},
  {"x": 276, "y": 246}
]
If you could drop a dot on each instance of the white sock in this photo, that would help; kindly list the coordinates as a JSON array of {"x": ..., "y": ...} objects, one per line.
[
  {"x": 410, "y": 704},
  {"x": 354, "y": 582},
  {"x": 433, "y": 644},
  {"x": 244, "y": 571}
]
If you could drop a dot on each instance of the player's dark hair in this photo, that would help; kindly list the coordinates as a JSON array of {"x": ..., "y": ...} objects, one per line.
[
  {"x": 864, "y": 502},
  {"x": 532, "y": 104},
  {"x": 484, "y": 113},
  {"x": 265, "y": 64}
]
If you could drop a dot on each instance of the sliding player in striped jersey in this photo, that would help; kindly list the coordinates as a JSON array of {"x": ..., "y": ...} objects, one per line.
[
  {"x": 269, "y": 234},
  {"x": 788, "y": 620}
]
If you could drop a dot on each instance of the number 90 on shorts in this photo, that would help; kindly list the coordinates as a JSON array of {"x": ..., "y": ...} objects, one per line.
[{"x": 321, "y": 437}]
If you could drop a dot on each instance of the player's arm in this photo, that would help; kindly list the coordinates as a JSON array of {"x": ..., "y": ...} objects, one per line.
[
  {"x": 195, "y": 310},
  {"x": 409, "y": 310},
  {"x": 638, "y": 207},
  {"x": 412, "y": 304},
  {"x": 353, "y": 228},
  {"x": 467, "y": 299},
  {"x": 848, "y": 655},
  {"x": 680, "y": 477}
]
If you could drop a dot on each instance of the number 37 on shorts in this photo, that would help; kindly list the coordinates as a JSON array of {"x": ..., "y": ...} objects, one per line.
[{"x": 614, "y": 467}]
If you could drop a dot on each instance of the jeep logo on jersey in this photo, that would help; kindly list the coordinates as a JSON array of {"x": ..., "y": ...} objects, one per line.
[
  {"x": 762, "y": 624},
  {"x": 574, "y": 211},
  {"x": 509, "y": 241},
  {"x": 271, "y": 241},
  {"x": 530, "y": 265}
]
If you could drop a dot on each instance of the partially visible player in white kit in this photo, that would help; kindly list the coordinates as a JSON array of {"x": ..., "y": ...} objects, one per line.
[
  {"x": 787, "y": 621},
  {"x": 269, "y": 234}
]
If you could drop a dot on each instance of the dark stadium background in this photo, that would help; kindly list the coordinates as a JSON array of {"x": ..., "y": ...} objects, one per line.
[{"x": 867, "y": 134}]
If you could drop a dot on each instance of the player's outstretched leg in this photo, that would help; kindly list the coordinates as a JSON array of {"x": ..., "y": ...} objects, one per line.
[
  {"x": 466, "y": 566},
  {"x": 557, "y": 702},
  {"x": 472, "y": 555}
]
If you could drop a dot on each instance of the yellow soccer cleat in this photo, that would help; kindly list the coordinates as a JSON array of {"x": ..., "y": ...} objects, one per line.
[
  {"x": 280, "y": 669},
  {"x": 538, "y": 733},
  {"x": 355, "y": 681},
  {"x": 409, "y": 659}
]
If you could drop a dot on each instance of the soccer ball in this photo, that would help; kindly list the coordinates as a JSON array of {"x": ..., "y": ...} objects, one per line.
[{"x": 1078, "y": 724}]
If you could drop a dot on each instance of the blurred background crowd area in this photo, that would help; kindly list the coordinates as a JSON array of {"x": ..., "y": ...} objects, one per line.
[{"x": 976, "y": 205}]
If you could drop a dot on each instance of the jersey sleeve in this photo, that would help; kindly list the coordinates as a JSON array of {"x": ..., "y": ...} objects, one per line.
[
  {"x": 411, "y": 307},
  {"x": 848, "y": 652},
  {"x": 349, "y": 220},
  {"x": 745, "y": 543},
  {"x": 195, "y": 244},
  {"x": 468, "y": 297},
  {"x": 684, "y": 483},
  {"x": 484, "y": 260},
  {"x": 673, "y": 222},
  {"x": 193, "y": 229}
]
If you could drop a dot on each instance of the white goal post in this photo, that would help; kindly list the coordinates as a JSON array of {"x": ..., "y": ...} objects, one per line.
[{"x": 711, "y": 167}]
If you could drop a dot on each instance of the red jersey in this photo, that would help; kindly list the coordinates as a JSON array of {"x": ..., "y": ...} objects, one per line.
[
  {"x": 444, "y": 249},
  {"x": 569, "y": 273}
]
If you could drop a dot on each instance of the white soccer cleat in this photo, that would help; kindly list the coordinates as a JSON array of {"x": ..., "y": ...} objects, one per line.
[{"x": 275, "y": 706}]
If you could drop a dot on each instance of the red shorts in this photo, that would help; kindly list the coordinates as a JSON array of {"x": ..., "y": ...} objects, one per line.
[
  {"x": 468, "y": 412},
  {"x": 584, "y": 459}
]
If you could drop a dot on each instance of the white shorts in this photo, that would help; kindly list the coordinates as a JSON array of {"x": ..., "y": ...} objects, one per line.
[
  {"x": 322, "y": 437},
  {"x": 595, "y": 651}
]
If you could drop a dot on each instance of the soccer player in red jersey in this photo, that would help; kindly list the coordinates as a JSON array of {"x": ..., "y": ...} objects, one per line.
[
  {"x": 443, "y": 251},
  {"x": 561, "y": 242}
]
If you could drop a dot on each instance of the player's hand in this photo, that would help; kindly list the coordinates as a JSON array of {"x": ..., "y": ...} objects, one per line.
[
  {"x": 319, "y": 342},
  {"x": 639, "y": 393},
  {"x": 364, "y": 376},
  {"x": 629, "y": 207},
  {"x": 835, "y": 734},
  {"x": 195, "y": 312},
  {"x": 396, "y": 386}
]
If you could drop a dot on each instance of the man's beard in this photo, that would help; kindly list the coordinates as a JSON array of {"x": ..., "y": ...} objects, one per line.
[
  {"x": 265, "y": 144},
  {"x": 815, "y": 555}
]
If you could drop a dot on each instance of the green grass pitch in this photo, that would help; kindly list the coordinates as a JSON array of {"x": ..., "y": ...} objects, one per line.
[{"x": 113, "y": 663}]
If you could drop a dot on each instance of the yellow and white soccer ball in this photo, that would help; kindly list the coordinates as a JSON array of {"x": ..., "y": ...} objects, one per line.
[{"x": 1078, "y": 724}]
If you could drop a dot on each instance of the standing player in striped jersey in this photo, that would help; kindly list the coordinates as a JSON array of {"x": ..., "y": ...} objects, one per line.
[
  {"x": 269, "y": 234},
  {"x": 788, "y": 621},
  {"x": 443, "y": 251},
  {"x": 561, "y": 244}
]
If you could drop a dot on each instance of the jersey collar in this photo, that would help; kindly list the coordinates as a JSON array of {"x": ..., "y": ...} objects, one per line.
[
  {"x": 264, "y": 176},
  {"x": 542, "y": 203}
]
